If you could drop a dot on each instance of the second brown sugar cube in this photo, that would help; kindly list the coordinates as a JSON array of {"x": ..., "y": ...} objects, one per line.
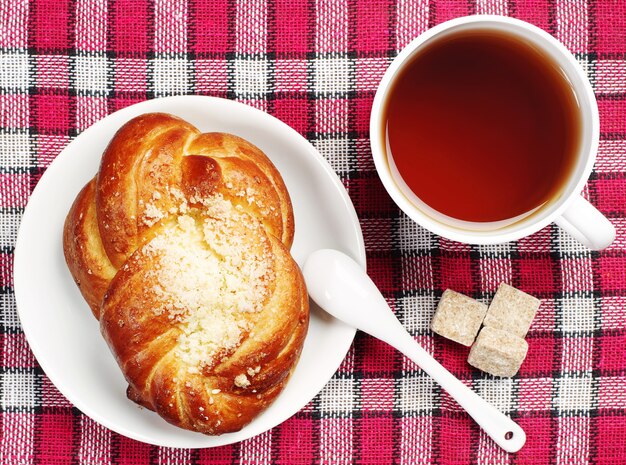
[{"x": 511, "y": 310}]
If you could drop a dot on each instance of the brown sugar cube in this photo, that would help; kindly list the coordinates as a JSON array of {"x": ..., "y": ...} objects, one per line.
[
  {"x": 511, "y": 310},
  {"x": 458, "y": 317},
  {"x": 498, "y": 352}
]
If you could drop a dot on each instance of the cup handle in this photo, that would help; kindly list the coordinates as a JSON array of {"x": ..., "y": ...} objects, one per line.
[{"x": 587, "y": 225}]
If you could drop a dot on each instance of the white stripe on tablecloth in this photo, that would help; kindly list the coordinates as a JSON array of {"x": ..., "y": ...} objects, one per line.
[
  {"x": 170, "y": 66},
  {"x": 90, "y": 70},
  {"x": 251, "y": 74},
  {"x": 573, "y": 443},
  {"x": 18, "y": 428},
  {"x": 336, "y": 437},
  {"x": 574, "y": 401},
  {"x": 14, "y": 24},
  {"x": 416, "y": 441},
  {"x": 499, "y": 393},
  {"x": 495, "y": 267},
  {"x": 572, "y": 20},
  {"x": 168, "y": 456},
  {"x": 610, "y": 78},
  {"x": 251, "y": 27},
  {"x": 91, "y": 25},
  {"x": 95, "y": 443},
  {"x": 256, "y": 450},
  {"x": 577, "y": 323},
  {"x": 16, "y": 440},
  {"x": 491, "y": 7},
  {"x": 170, "y": 26},
  {"x": 411, "y": 21},
  {"x": 331, "y": 26}
]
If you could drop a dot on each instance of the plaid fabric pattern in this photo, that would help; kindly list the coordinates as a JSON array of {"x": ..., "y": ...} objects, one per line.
[{"x": 65, "y": 64}]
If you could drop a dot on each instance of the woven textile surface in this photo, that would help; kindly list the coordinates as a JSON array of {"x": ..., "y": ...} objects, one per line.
[{"x": 315, "y": 64}]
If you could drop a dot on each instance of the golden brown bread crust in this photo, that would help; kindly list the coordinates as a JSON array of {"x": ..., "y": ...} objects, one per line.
[
  {"x": 180, "y": 246},
  {"x": 83, "y": 249}
]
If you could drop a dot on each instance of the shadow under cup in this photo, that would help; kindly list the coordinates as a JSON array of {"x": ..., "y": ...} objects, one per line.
[{"x": 487, "y": 128}]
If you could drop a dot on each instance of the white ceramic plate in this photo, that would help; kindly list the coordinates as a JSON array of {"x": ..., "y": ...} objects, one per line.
[{"x": 64, "y": 335}]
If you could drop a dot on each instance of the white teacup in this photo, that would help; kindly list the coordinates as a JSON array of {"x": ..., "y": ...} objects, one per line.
[{"x": 570, "y": 211}]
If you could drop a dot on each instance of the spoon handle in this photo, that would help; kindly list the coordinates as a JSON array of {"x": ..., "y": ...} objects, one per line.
[
  {"x": 501, "y": 428},
  {"x": 343, "y": 289}
]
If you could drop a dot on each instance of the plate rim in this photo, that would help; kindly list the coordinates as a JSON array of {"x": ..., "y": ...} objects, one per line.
[{"x": 20, "y": 287}]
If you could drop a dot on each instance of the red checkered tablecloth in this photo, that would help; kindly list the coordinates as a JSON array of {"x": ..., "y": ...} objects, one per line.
[{"x": 315, "y": 64}]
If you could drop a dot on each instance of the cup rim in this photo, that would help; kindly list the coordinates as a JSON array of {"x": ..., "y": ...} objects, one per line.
[{"x": 524, "y": 227}]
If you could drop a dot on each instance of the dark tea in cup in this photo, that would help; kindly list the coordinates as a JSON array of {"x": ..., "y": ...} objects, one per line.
[{"x": 482, "y": 126}]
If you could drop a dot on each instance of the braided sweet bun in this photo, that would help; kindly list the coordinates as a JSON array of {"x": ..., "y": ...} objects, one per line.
[{"x": 180, "y": 246}]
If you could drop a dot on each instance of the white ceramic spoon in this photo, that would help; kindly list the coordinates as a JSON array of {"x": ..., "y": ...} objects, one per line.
[{"x": 340, "y": 286}]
